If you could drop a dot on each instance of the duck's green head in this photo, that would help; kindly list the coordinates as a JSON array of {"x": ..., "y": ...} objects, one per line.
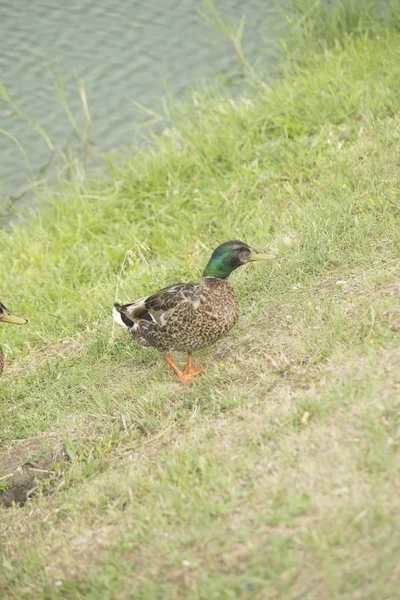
[
  {"x": 7, "y": 317},
  {"x": 231, "y": 255}
]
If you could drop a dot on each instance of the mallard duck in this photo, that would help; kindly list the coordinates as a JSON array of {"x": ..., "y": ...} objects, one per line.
[
  {"x": 189, "y": 316},
  {"x": 7, "y": 317}
]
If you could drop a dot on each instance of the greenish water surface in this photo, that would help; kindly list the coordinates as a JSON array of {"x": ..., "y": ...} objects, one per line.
[{"x": 124, "y": 52}]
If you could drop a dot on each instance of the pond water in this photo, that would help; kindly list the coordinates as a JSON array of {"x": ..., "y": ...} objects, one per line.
[{"x": 124, "y": 53}]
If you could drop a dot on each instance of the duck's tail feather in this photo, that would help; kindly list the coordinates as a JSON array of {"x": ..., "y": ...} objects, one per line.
[
  {"x": 129, "y": 314},
  {"x": 121, "y": 317}
]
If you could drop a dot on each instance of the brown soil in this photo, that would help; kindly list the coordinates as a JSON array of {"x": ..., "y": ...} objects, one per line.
[{"x": 26, "y": 463}]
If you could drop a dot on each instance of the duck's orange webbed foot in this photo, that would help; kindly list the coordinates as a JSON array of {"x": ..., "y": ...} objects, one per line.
[
  {"x": 190, "y": 369},
  {"x": 189, "y": 373}
]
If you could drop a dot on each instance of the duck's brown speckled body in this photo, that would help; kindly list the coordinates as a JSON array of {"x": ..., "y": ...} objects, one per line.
[
  {"x": 7, "y": 317},
  {"x": 189, "y": 316},
  {"x": 186, "y": 316}
]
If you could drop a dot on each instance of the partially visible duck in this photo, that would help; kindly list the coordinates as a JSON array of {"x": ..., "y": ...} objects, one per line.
[{"x": 7, "y": 317}]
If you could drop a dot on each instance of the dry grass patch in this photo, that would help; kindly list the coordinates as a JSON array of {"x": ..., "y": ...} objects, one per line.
[{"x": 255, "y": 478}]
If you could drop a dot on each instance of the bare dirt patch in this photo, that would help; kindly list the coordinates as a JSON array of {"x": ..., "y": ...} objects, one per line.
[{"x": 26, "y": 463}]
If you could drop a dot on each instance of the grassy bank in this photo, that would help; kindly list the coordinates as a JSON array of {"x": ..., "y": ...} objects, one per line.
[{"x": 274, "y": 474}]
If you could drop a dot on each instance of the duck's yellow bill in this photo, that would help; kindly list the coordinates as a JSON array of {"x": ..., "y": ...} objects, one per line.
[
  {"x": 260, "y": 256},
  {"x": 10, "y": 318}
]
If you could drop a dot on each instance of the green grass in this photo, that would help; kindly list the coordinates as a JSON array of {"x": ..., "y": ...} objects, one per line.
[{"x": 274, "y": 474}]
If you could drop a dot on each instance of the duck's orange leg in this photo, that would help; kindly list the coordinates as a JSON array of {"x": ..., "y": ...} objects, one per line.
[
  {"x": 189, "y": 373},
  {"x": 189, "y": 369},
  {"x": 182, "y": 376}
]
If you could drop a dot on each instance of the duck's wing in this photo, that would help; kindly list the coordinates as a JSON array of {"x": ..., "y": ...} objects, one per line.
[{"x": 158, "y": 306}]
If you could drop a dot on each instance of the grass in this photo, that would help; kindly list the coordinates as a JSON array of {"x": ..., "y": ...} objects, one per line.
[{"x": 274, "y": 474}]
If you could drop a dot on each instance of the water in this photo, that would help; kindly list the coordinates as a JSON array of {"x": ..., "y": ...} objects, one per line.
[{"x": 124, "y": 52}]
